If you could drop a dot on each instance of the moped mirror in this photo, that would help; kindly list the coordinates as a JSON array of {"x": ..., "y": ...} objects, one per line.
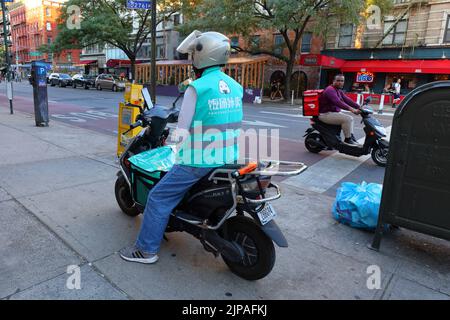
[{"x": 367, "y": 100}]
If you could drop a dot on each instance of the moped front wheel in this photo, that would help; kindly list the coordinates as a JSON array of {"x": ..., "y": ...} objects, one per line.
[
  {"x": 379, "y": 156},
  {"x": 258, "y": 248},
  {"x": 124, "y": 198}
]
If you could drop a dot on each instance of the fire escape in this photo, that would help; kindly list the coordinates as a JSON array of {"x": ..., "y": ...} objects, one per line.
[{"x": 410, "y": 5}]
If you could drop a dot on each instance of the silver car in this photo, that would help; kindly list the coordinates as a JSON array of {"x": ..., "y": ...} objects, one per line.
[{"x": 109, "y": 81}]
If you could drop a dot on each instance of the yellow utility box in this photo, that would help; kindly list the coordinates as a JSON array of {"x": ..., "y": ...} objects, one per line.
[
  {"x": 133, "y": 94},
  {"x": 128, "y": 111}
]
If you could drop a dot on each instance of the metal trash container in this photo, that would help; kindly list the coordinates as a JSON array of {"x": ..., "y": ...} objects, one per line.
[
  {"x": 416, "y": 189},
  {"x": 40, "y": 96}
]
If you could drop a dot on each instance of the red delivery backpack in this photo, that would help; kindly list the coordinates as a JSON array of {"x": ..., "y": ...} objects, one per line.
[{"x": 311, "y": 102}]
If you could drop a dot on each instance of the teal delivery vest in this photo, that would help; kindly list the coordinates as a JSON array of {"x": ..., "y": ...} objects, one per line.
[{"x": 215, "y": 130}]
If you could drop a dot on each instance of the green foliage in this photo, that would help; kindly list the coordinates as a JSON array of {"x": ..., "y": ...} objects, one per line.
[
  {"x": 289, "y": 18},
  {"x": 109, "y": 21},
  {"x": 245, "y": 17}
]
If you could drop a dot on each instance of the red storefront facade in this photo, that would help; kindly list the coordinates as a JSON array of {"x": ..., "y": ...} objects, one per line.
[{"x": 374, "y": 77}]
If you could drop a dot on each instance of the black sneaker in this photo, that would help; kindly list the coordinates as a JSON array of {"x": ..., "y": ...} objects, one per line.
[
  {"x": 350, "y": 141},
  {"x": 134, "y": 254}
]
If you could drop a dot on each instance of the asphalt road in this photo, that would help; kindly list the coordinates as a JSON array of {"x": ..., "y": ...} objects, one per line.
[{"x": 98, "y": 110}]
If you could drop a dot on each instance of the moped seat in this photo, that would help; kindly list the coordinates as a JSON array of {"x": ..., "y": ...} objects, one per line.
[{"x": 326, "y": 125}]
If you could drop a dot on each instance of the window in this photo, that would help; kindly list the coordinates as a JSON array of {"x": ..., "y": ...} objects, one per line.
[
  {"x": 409, "y": 80},
  {"x": 49, "y": 26},
  {"x": 447, "y": 31},
  {"x": 49, "y": 40},
  {"x": 69, "y": 56},
  {"x": 144, "y": 52},
  {"x": 160, "y": 51},
  {"x": 278, "y": 44},
  {"x": 306, "y": 42},
  {"x": 176, "y": 20},
  {"x": 48, "y": 12},
  {"x": 255, "y": 42},
  {"x": 397, "y": 34},
  {"x": 345, "y": 35},
  {"x": 234, "y": 43}
]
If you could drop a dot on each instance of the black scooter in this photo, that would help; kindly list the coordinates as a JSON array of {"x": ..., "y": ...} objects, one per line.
[
  {"x": 228, "y": 210},
  {"x": 324, "y": 136}
]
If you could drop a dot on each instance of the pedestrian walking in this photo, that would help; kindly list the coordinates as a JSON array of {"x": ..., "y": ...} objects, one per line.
[{"x": 397, "y": 89}]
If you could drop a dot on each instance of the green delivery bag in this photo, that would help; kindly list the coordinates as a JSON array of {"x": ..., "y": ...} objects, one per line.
[{"x": 147, "y": 168}]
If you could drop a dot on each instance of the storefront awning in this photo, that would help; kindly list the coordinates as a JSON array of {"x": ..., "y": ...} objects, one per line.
[
  {"x": 441, "y": 66},
  {"x": 112, "y": 63},
  {"x": 320, "y": 60},
  {"x": 85, "y": 62}
]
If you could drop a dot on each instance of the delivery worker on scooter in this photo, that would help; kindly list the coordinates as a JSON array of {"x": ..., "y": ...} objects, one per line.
[
  {"x": 208, "y": 126},
  {"x": 331, "y": 101}
]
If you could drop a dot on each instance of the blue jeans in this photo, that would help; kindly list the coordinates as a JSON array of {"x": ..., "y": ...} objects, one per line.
[{"x": 161, "y": 201}]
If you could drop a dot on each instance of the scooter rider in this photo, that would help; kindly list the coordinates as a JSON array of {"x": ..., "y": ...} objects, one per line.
[
  {"x": 331, "y": 101},
  {"x": 212, "y": 103}
]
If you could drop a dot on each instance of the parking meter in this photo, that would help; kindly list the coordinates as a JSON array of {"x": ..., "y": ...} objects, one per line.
[{"x": 39, "y": 82}]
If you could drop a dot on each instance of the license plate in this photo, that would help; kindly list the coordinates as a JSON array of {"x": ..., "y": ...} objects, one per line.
[{"x": 266, "y": 214}]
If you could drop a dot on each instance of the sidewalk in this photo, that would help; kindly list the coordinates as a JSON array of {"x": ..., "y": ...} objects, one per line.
[{"x": 57, "y": 208}]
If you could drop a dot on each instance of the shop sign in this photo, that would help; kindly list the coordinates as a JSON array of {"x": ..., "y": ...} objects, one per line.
[{"x": 365, "y": 77}]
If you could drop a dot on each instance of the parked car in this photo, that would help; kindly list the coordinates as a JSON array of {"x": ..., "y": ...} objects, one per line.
[
  {"x": 47, "y": 77},
  {"x": 109, "y": 81},
  {"x": 60, "y": 79},
  {"x": 85, "y": 81}
]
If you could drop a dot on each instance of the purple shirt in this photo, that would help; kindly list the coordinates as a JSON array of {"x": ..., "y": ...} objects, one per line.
[{"x": 333, "y": 100}]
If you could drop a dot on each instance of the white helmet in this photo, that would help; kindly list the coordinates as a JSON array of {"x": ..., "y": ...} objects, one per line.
[{"x": 208, "y": 49}]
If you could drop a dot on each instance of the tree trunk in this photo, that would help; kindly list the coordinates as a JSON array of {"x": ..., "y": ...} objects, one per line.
[
  {"x": 287, "y": 83},
  {"x": 133, "y": 68}
]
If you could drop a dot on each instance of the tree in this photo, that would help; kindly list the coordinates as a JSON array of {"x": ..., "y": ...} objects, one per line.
[
  {"x": 289, "y": 18},
  {"x": 110, "y": 22}
]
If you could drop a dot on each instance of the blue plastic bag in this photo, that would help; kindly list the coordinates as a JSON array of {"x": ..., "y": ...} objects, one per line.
[{"x": 358, "y": 205}]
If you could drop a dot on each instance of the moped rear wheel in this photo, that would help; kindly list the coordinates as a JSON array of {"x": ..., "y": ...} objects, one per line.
[
  {"x": 124, "y": 199},
  {"x": 258, "y": 248},
  {"x": 311, "y": 141}
]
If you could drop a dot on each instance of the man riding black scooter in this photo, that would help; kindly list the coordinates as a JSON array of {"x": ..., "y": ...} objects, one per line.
[
  {"x": 325, "y": 133},
  {"x": 332, "y": 100}
]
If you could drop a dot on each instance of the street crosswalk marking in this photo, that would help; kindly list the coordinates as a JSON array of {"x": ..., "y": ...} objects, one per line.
[
  {"x": 261, "y": 124},
  {"x": 284, "y": 114},
  {"x": 327, "y": 172},
  {"x": 389, "y": 114}
]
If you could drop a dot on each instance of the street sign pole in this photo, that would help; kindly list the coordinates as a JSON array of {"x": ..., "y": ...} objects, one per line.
[
  {"x": 148, "y": 4},
  {"x": 153, "y": 72},
  {"x": 8, "y": 61}
]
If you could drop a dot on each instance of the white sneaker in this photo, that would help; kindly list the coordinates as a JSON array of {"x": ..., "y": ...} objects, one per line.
[{"x": 134, "y": 254}]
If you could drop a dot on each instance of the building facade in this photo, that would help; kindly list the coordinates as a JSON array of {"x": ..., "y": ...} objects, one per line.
[
  {"x": 411, "y": 43},
  {"x": 34, "y": 24},
  {"x": 303, "y": 76},
  {"x": 109, "y": 59}
]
